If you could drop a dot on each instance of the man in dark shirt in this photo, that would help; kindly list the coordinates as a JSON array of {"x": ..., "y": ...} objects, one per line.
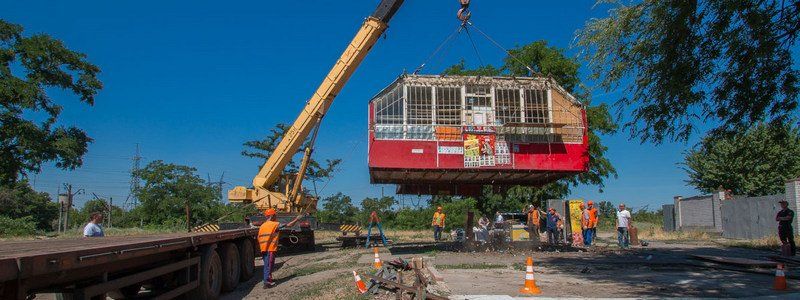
[
  {"x": 785, "y": 232},
  {"x": 552, "y": 226}
]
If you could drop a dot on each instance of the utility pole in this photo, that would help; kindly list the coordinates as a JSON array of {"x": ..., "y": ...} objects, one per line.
[
  {"x": 110, "y": 209},
  {"x": 70, "y": 197}
]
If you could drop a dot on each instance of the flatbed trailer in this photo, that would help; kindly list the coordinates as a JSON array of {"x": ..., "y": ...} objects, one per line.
[{"x": 199, "y": 265}]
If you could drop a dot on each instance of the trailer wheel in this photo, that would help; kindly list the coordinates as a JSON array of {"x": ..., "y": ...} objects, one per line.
[
  {"x": 231, "y": 266},
  {"x": 210, "y": 276},
  {"x": 248, "y": 259}
]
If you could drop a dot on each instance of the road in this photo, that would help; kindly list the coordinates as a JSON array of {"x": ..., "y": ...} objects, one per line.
[{"x": 659, "y": 270}]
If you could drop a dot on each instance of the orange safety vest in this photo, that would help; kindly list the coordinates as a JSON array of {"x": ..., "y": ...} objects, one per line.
[
  {"x": 592, "y": 217},
  {"x": 438, "y": 219},
  {"x": 533, "y": 217},
  {"x": 268, "y": 236}
]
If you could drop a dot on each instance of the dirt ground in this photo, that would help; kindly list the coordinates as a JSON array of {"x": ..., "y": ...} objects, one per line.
[{"x": 604, "y": 271}]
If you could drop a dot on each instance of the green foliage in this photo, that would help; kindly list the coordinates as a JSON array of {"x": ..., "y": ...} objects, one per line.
[
  {"x": 382, "y": 206},
  {"x": 19, "y": 200},
  {"x": 756, "y": 162},
  {"x": 647, "y": 216},
  {"x": 680, "y": 63},
  {"x": 338, "y": 208},
  {"x": 462, "y": 70},
  {"x": 26, "y": 142},
  {"x": 263, "y": 149},
  {"x": 166, "y": 191},
  {"x": 17, "y": 227}
]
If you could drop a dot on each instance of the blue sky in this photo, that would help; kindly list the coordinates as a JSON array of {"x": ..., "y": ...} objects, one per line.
[{"x": 190, "y": 83}]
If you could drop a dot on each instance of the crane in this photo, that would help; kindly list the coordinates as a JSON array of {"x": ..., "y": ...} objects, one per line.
[{"x": 289, "y": 198}]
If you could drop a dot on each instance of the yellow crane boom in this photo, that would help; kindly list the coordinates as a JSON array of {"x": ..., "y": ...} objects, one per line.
[{"x": 312, "y": 113}]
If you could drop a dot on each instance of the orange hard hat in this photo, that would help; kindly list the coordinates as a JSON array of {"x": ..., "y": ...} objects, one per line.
[
  {"x": 439, "y": 208},
  {"x": 582, "y": 204},
  {"x": 591, "y": 202},
  {"x": 269, "y": 212}
]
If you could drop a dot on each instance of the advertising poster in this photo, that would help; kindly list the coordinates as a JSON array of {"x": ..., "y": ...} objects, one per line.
[{"x": 575, "y": 215}]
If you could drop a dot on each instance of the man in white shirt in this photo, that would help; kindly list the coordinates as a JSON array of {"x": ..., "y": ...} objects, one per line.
[
  {"x": 623, "y": 223},
  {"x": 93, "y": 228}
]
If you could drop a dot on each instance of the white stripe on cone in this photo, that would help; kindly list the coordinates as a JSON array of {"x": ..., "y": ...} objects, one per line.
[
  {"x": 529, "y": 269},
  {"x": 529, "y": 276}
]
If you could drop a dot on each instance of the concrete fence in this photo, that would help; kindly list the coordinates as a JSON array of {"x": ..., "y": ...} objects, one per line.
[{"x": 734, "y": 217}]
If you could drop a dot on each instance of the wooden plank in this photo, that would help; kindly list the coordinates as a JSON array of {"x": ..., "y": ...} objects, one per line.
[
  {"x": 402, "y": 287},
  {"x": 737, "y": 261},
  {"x": 435, "y": 275}
]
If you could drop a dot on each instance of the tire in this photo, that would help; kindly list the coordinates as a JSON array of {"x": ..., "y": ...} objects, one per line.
[
  {"x": 231, "y": 266},
  {"x": 210, "y": 276},
  {"x": 248, "y": 259}
]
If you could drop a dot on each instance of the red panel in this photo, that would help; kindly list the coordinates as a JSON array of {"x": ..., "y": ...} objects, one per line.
[{"x": 402, "y": 154}]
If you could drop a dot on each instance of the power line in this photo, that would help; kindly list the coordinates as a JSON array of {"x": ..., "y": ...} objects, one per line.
[{"x": 132, "y": 200}]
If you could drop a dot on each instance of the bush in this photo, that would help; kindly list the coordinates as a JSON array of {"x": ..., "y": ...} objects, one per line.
[{"x": 17, "y": 227}]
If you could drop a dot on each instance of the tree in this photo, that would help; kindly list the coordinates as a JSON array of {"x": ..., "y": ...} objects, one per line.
[
  {"x": 756, "y": 162},
  {"x": 338, "y": 208},
  {"x": 382, "y": 206},
  {"x": 29, "y": 136},
  {"x": 167, "y": 189},
  {"x": 19, "y": 201},
  {"x": 263, "y": 149},
  {"x": 552, "y": 62},
  {"x": 680, "y": 63}
]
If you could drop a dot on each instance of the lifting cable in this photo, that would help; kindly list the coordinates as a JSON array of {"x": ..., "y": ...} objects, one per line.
[
  {"x": 441, "y": 46},
  {"x": 477, "y": 53},
  {"x": 514, "y": 57}
]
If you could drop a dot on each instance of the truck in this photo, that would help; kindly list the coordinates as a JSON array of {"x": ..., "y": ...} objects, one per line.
[{"x": 196, "y": 265}]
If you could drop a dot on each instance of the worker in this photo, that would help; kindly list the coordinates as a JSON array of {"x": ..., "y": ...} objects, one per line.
[
  {"x": 553, "y": 218},
  {"x": 591, "y": 231},
  {"x": 623, "y": 224},
  {"x": 93, "y": 228},
  {"x": 785, "y": 217},
  {"x": 268, "y": 237},
  {"x": 438, "y": 224},
  {"x": 498, "y": 220},
  {"x": 584, "y": 222},
  {"x": 482, "y": 231},
  {"x": 533, "y": 222}
]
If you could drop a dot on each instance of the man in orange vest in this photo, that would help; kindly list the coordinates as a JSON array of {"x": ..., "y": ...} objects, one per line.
[
  {"x": 533, "y": 223},
  {"x": 438, "y": 224},
  {"x": 591, "y": 226},
  {"x": 268, "y": 236}
]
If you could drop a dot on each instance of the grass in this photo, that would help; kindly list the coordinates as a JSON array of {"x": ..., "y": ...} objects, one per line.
[
  {"x": 316, "y": 268},
  {"x": 76, "y": 233}
]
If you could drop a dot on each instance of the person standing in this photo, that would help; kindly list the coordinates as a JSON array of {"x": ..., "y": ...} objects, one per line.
[
  {"x": 623, "y": 223},
  {"x": 785, "y": 217},
  {"x": 268, "y": 237},
  {"x": 552, "y": 226},
  {"x": 591, "y": 231},
  {"x": 533, "y": 223},
  {"x": 584, "y": 219},
  {"x": 93, "y": 228},
  {"x": 498, "y": 220},
  {"x": 438, "y": 224}
]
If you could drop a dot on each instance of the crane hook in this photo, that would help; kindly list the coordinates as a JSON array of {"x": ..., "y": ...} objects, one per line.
[{"x": 464, "y": 13}]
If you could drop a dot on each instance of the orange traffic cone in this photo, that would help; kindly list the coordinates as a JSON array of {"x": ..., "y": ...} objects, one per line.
[
  {"x": 780, "y": 279},
  {"x": 362, "y": 288},
  {"x": 377, "y": 264},
  {"x": 530, "y": 287}
]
